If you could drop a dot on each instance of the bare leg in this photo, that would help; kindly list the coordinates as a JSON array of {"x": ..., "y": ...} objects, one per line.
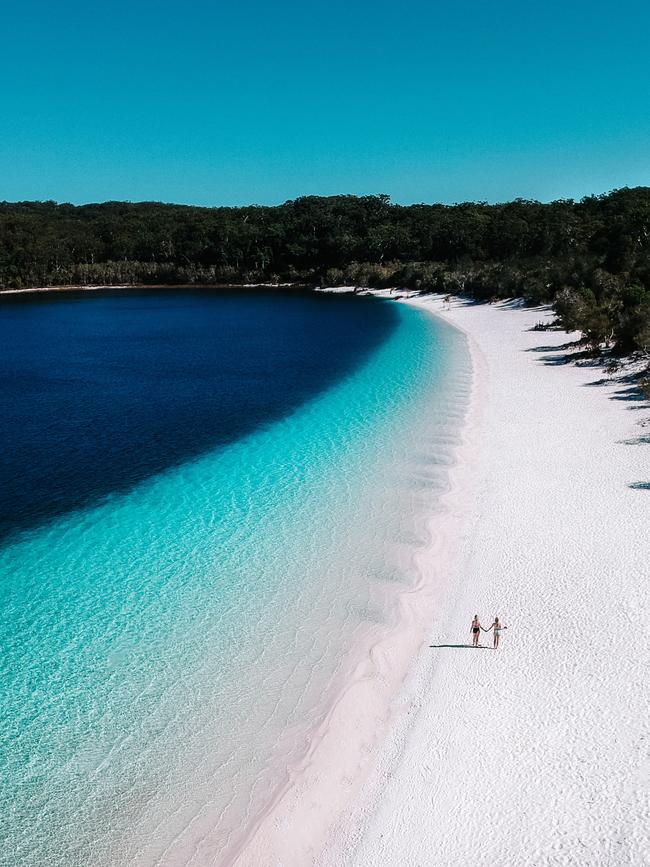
[{"x": 496, "y": 640}]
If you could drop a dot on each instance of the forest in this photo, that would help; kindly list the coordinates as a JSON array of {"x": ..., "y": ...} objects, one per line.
[{"x": 589, "y": 258}]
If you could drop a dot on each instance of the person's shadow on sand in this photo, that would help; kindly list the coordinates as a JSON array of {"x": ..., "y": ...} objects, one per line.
[{"x": 471, "y": 646}]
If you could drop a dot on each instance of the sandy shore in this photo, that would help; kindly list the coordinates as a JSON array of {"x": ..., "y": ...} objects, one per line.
[
  {"x": 360, "y": 709},
  {"x": 536, "y": 754},
  {"x": 434, "y": 754}
]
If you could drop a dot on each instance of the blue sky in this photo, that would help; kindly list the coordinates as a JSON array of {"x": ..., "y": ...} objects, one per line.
[{"x": 259, "y": 102}]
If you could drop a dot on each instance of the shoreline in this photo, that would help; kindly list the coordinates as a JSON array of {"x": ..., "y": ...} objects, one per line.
[
  {"x": 364, "y": 442},
  {"x": 294, "y": 827},
  {"x": 88, "y": 287},
  {"x": 428, "y": 754},
  {"x": 533, "y": 779},
  {"x": 534, "y": 755}
]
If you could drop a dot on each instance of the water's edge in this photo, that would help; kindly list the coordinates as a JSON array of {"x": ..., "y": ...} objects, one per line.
[
  {"x": 244, "y": 621},
  {"x": 368, "y": 699}
]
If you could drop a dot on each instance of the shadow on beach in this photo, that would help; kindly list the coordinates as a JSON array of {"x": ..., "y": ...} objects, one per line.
[{"x": 471, "y": 646}]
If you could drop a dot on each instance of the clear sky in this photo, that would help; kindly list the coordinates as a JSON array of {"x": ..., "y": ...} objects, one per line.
[{"x": 259, "y": 101}]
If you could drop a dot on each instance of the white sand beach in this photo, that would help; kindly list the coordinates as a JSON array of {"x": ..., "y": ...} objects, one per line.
[{"x": 535, "y": 754}]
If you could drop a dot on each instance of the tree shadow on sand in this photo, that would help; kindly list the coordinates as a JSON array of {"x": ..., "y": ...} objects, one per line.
[
  {"x": 628, "y": 388},
  {"x": 625, "y": 385},
  {"x": 572, "y": 346},
  {"x": 637, "y": 441}
]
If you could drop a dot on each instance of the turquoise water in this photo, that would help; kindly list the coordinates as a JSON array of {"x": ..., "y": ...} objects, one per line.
[{"x": 165, "y": 653}]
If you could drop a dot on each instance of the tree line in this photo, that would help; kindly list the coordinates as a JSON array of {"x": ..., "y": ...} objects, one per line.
[{"x": 590, "y": 258}]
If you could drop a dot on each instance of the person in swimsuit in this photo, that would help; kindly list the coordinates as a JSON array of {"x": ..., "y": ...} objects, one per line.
[
  {"x": 497, "y": 631},
  {"x": 475, "y": 629}
]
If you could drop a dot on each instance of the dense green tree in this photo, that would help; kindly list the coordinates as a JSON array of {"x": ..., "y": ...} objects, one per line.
[{"x": 591, "y": 258}]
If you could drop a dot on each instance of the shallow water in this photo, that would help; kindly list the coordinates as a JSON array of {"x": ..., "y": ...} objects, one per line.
[{"x": 166, "y": 650}]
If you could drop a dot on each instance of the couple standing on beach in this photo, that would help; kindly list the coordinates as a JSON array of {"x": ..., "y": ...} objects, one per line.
[{"x": 476, "y": 628}]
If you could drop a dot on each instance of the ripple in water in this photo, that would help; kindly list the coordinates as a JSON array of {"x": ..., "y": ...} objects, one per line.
[{"x": 166, "y": 652}]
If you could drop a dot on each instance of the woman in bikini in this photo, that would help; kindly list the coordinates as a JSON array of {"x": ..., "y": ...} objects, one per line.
[
  {"x": 475, "y": 629},
  {"x": 497, "y": 631}
]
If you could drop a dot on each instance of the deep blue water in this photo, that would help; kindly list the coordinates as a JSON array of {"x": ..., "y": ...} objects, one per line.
[
  {"x": 226, "y": 496},
  {"x": 98, "y": 392}
]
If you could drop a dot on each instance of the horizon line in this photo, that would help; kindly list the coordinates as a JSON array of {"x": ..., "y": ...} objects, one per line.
[{"x": 385, "y": 196}]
